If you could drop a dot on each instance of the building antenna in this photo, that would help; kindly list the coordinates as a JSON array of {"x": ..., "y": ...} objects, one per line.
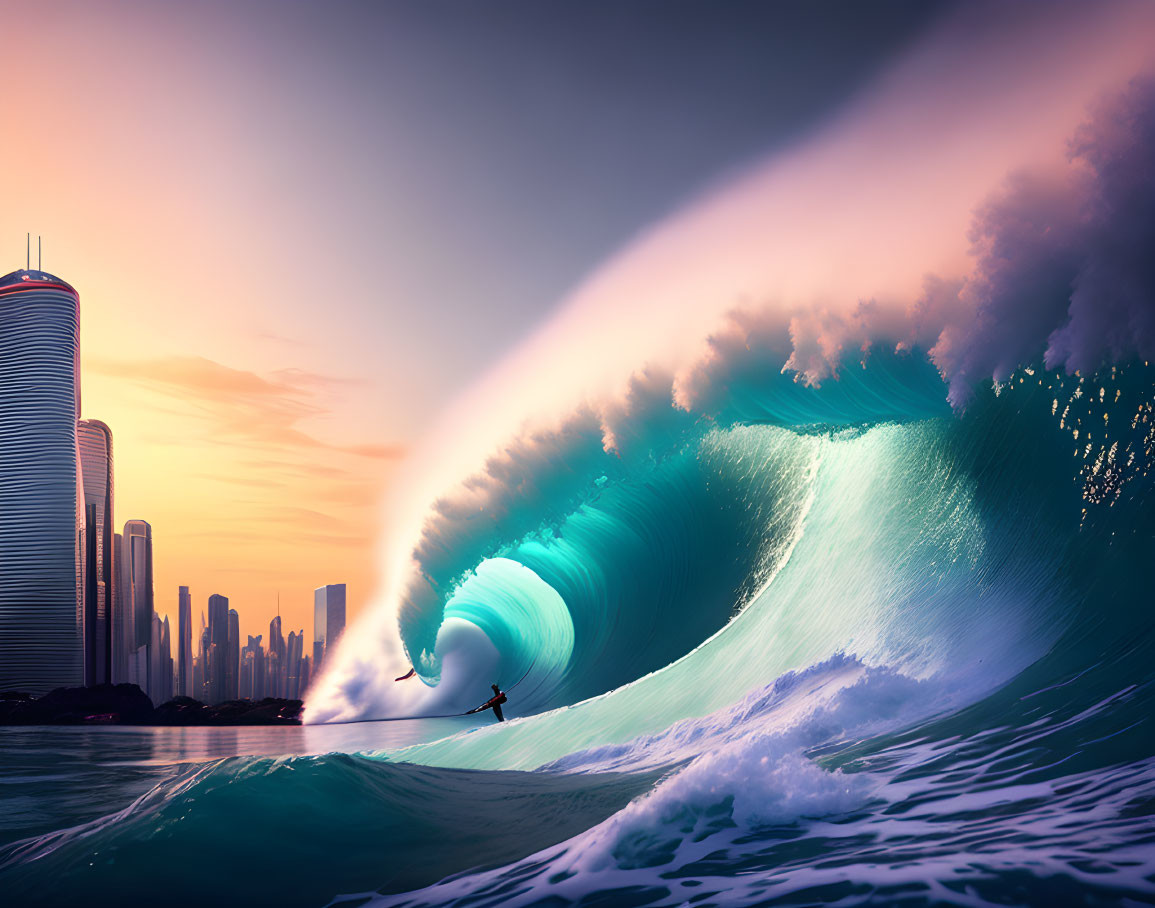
[
  {"x": 28, "y": 252},
  {"x": 39, "y": 254}
]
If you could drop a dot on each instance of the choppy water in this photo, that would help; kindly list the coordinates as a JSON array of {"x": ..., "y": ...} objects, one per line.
[
  {"x": 64, "y": 776},
  {"x": 246, "y": 816}
]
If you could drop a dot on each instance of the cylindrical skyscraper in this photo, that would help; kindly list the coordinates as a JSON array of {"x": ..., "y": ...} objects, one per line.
[
  {"x": 96, "y": 460},
  {"x": 41, "y": 497}
]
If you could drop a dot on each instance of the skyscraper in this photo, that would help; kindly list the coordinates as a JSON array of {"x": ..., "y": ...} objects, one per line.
[
  {"x": 123, "y": 633},
  {"x": 90, "y": 624},
  {"x": 293, "y": 664},
  {"x": 276, "y": 660},
  {"x": 160, "y": 661},
  {"x": 252, "y": 684},
  {"x": 41, "y": 494},
  {"x": 95, "y": 441},
  {"x": 138, "y": 598},
  {"x": 201, "y": 679},
  {"x": 328, "y": 621},
  {"x": 198, "y": 679},
  {"x": 306, "y": 675},
  {"x": 232, "y": 666},
  {"x": 167, "y": 674},
  {"x": 184, "y": 643},
  {"x": 215, "y": 673}
]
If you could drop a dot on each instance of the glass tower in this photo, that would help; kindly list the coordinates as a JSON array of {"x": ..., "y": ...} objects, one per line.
[
  {"x": 95, "y": 440},
  {"x": 233, "y": 656},
  {"x": 328, "y": 621},
  {"x": 184, "y": 644},
  {"x": 121, "y": 616},
  {"x": 41, "y": 497},
  {"x": 218, "y": 647},
  {"x": 137, "y": 599}
]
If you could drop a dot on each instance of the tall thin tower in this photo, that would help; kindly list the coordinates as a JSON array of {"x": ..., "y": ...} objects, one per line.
[
  {"x": 41, "y": 493},
  {"x": 215, "y": 678},
  {"x": 95, "y": 440},
  {"x": 184, "y": 644},
  {"x": 138, "y": 599}
]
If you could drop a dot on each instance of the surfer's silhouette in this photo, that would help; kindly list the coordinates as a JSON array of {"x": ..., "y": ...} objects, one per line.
[{"x": 493, "y": 703}]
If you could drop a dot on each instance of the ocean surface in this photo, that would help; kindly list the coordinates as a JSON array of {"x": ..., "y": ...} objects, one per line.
[
  {"x": 837, "y": 646},
  {"x": 262, "y": 815}
]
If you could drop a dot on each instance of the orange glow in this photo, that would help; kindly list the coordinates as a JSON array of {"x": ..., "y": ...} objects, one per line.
[{"x": 243, "y": 501}]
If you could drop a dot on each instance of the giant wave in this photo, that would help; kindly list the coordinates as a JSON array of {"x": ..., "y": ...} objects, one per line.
[{"x": 612, "y": 533}]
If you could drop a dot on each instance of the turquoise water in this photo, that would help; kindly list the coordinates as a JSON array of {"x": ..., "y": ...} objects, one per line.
[{"x": 838, "y": 645}]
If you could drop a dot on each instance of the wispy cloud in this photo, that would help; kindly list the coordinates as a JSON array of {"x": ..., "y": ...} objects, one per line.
[
  {"x": 254, "y": 482},
  {"x": 244, "y": 406}
]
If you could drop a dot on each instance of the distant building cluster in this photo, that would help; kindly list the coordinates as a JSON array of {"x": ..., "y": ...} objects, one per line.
[
  {"x": 76, "y": 597},
  {"x": 220, "y": 669}
]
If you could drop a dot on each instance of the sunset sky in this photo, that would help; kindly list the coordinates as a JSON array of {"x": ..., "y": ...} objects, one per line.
[{"x": 299, "y": 231}]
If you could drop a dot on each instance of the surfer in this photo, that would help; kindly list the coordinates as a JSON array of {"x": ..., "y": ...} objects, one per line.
[
  {"x": 409, "y": 674},
  {"x": 493, "y": 703}
]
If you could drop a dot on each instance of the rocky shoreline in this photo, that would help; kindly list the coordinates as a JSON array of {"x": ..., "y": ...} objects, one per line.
[{"x": 127, "y": 704}]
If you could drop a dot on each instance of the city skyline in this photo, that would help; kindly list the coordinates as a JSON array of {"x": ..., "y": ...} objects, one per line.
[
  {"x": 77, "y": 598},
  {"x": 95, "y": 444},
  {"x": 95, "y": 439}
]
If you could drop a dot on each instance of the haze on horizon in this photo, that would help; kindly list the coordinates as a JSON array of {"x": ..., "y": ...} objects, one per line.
[{"x": 300, "y": 231}]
